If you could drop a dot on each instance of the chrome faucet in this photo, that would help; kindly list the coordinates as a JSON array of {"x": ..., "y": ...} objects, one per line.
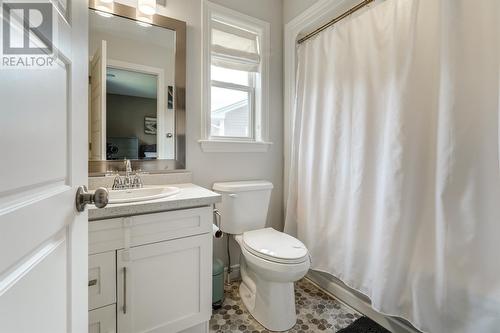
[
  {"x": 128, "y": 181},
  {"x": 128, "y": 167}
]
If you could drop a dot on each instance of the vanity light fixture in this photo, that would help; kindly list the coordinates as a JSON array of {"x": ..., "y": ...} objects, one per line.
[
  {"x": 104, "y": 7},
  {"x": 143, "y": 20},
  {"x": 147, "y": 7}
]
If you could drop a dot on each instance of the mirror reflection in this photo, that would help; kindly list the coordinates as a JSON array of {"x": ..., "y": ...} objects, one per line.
[{"x": 131, "y": 102}]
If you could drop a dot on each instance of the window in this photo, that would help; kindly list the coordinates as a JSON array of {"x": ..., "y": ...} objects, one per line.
[
  {"x": 235, "y": 81},
  {"x": 232, "y": 94}
]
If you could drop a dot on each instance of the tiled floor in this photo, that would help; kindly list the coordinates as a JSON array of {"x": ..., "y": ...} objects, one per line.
[{"x": 317, "y": 312}]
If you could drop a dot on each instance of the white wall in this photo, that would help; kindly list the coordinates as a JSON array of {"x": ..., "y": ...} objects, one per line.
[
  {"x": 208, "y": 168},
  {"x": 292, "y": 8}
]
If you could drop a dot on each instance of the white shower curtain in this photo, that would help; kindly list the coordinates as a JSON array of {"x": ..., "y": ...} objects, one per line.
[{"x": 395, "y": 172}]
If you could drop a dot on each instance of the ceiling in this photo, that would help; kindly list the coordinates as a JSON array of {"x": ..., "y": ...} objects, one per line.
[{"x": 129, "y": 83}]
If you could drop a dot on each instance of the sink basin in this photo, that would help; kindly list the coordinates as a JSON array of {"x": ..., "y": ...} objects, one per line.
[{"x": 141, "y": 194}]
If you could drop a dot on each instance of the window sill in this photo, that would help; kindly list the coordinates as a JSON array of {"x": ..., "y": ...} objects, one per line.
[{"x": 223, "y": 146}]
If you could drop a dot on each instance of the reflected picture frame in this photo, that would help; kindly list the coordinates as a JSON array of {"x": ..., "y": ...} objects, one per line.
[
  {"x": 170, "y": 97},
  {"x": 150, "y": 125}
]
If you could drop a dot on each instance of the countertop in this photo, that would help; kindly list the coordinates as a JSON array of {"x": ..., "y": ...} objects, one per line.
[{"x": 190, "y": 196}]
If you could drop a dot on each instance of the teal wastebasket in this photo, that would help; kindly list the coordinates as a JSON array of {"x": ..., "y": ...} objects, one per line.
[{"x": 217, "y": 283}]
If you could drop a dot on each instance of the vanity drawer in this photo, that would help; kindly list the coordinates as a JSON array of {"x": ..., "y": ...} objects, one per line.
[
  {"x": 103, "y": 320},
  {"x": 113, "y": 234},
  {"x": 102, "y": 279},
  {"x": 158, "y": 227}
]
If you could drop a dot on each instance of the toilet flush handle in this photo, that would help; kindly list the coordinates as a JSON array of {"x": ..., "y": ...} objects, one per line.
[{"x": 233, "y": 195}]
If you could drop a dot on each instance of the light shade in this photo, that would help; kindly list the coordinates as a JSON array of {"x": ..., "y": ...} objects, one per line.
[
  {"x": 143, "y": 20},
  {"x": 147, "y": 7},
  {"x": 104, "y": 7}
]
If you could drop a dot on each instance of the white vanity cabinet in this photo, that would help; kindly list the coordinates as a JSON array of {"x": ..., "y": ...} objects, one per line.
[
  {"x": 151, "y": 273},
  {"x": 103, "y": 320}
]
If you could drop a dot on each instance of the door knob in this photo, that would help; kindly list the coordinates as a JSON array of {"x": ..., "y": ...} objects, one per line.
[{"x": 99, "y": 198}]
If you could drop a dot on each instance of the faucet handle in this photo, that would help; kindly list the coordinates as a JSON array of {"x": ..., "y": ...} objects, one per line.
[
  {"x": 117, "y": 182},
  {"x": 137, "y": 182}
]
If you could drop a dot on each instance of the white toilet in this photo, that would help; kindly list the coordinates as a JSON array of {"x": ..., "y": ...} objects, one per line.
[{"x": 271, "y": 261}]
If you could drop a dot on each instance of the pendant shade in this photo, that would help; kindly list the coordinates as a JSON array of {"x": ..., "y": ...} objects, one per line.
[
  {"x": 104, "y": 7},
  {"x": 144, "y": 20},
  {"x": 147, "y": 7}
]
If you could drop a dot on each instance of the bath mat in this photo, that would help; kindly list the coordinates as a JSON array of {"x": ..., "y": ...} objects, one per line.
[{"x": 364, "y": 325}]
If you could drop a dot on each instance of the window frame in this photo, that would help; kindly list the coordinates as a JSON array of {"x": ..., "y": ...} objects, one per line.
[{"x": 257, "y": 141}]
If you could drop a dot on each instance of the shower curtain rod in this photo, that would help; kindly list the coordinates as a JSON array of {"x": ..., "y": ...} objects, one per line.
[{"x": 335, "y": 20}]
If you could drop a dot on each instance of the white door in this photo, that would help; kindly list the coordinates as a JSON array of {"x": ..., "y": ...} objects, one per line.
[
  {"x": 43, "y": 138},
  {"x": 164, "y": 287},
  {"x": 98, "y": 104}
]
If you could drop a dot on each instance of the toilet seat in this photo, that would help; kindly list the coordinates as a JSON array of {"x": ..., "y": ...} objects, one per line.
[{"x": 275, "y": 246}]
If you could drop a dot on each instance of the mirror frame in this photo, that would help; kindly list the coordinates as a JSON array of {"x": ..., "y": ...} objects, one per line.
[{"x": 99, "y": 168}]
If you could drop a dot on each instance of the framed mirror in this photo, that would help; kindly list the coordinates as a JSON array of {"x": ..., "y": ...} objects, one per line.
[{"x": 137, "y": 75}]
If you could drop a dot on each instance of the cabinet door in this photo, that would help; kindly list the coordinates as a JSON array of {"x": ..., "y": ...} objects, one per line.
[
  {"x": 103, "y": 320},
  {"x": 164, "y": 287}
]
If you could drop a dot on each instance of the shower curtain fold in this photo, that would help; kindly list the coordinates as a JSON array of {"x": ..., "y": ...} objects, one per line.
[{"x": 395, "y": 171}]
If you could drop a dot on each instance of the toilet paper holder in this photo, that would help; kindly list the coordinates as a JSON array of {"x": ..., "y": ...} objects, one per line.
[{"x": 216, "y": 227}]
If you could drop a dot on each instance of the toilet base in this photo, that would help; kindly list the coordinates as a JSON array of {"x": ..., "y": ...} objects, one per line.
[{"x": 271, "y": 303}]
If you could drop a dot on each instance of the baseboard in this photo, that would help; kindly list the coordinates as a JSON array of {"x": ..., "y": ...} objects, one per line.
[
  {"x": 200, "y": 328},
  {"x": 352, "y": 299}
]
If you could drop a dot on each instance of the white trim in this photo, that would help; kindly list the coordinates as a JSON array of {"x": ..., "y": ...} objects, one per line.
[
  {"x": 232, "y": 86},
  {"x": 261, "y": 118},
  {"x": 234, "y": 146},
  {"x": 236, "y": 18},
  {"x": 25, "y": 266},
  {"x": 161, "y": 109},
  {"x": 104, "y": 88},
  {"x": 316, "y": 15},
  {"x": 351, "y": 299}
]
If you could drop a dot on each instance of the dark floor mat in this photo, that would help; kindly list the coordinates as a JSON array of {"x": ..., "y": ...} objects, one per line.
[{"x": 364, "y": 325}]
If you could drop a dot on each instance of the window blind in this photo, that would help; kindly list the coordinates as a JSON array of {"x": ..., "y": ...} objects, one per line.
[{"x": 234, "y": 48}]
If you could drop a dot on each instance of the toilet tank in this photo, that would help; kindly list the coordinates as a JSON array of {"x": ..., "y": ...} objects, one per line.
[{"x": 244, "y": 205}]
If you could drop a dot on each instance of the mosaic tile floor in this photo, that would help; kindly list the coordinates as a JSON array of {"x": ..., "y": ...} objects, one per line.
[{"x": 316, "y": 312}]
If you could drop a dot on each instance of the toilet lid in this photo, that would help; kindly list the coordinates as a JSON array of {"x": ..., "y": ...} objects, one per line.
[{"x": 275, "y": 246}]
